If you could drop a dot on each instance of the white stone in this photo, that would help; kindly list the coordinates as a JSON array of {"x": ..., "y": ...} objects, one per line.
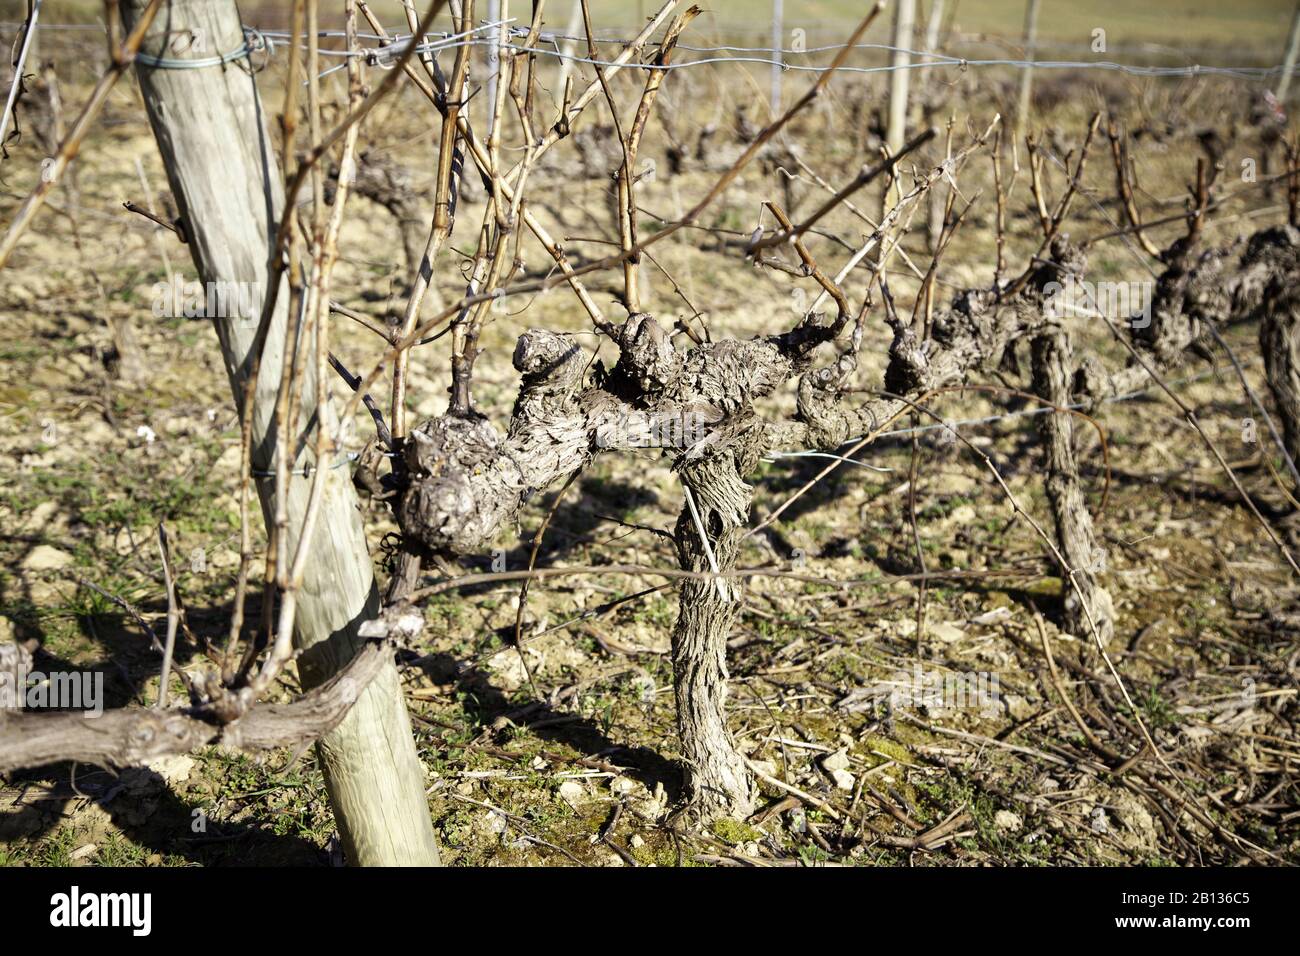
[
  {"x": 175, "y": 769},
  {"x": 45, "y": 558},
  {"x": 945, "y": 631},
  {"x": 836, "y": 761},
  {"x": 1008, "y": 821},
  {"x": 571, "y": 792},
  {"x": 843, "y": 779}
]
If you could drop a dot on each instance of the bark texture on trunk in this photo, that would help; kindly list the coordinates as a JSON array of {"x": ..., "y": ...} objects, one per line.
[
  {"x": 718, "y": 784},
  {"x": 1075, "y": 537},
  {"x": 1279, "y": 340},
  {"x": 210, "y": 128}
]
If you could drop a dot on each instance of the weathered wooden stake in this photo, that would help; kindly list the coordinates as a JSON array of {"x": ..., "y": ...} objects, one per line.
[
  {"x": 568, "y": 48},
  {"x": 26, "y": 51},
  {"x": 900, "y": 61},
  {"x": 1292, "y": 48},
  {"x": 210, "y": 128},
  {"x": 1027, "y": 73},
  {"x": 932, "y": 26}
]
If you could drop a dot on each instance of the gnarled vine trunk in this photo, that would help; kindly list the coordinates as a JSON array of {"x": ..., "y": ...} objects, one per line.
[
  {"x": 1279, "y": 339},
  {"x": 1076, "y": 539},
  {"x": 718, "y": 783}
]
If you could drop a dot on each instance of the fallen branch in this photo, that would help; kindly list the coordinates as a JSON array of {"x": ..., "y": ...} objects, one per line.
[{"x": 135, "y": 736}]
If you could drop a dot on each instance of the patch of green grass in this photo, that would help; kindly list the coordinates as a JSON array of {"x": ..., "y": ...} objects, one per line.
[
  {"x": 1158, "y": 711},
  {"x": 873, "y": 745},
  {"x": 734, "y": 832},
  {"x": 56, "y": 850},
  {"x": 446, "y": 608},
  {"x": 812, "y": 854},
  {"x": 117, "y": 850}
]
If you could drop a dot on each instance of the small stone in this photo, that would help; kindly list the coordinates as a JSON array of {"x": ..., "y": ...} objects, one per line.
[
  {"x": 992, "y": 617},
  {"x": 622, "y": 785},
  {"x": 836, "y": 761},
  {"x": 173, "y": 770},
  {"x": 1137, "y": 827},
  {"x": 506, "y": 666},
  {"x": 1008, "y": 821},
  {"x": 570, "y": 792},
  {"x": 45, "y": 558},
  {"x": 1098, "y": 820},
  {"x": 654, "y": 808},
  {"x": 231, "y": 458},
  {"x": 945, "y": 631},
  {"x": 962, "y": 515},
  {"x": 1018, "y": 707},
  {"x": 843, "y": 779},
  {"x": 40, "y": 516},
  {"x": 636, "y": 842}
]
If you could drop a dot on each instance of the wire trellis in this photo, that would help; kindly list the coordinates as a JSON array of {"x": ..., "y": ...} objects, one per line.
[{"x": 771, "y": 56}]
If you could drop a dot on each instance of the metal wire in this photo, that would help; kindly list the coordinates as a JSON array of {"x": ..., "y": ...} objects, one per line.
[
  {"x": 760, "y": 55},
  {"x": 254, "y": 42}
]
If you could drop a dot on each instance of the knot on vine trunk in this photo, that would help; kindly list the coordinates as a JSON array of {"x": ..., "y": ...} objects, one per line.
[
  {"x": 465, "y": 480},
  {"x": 551, "y": 365},
  {"x": 1267, "y": 280},
  {"x": 440, "y": 506},
  {"x": 821, "y": 408},
  {"x": 647, "y": 360}
]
